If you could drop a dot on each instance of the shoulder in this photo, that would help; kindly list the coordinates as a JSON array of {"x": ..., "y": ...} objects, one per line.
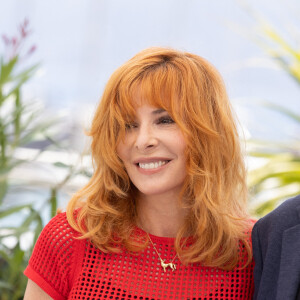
[
  {"x": 54, "y": 258},
  {"x": 58, "y": 229},
  {"x": 56, "y": 239},
  {"x": 283, "y": 217}
]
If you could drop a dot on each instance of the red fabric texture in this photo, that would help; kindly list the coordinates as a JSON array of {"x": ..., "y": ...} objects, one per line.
[{"x": 68, "y": 268}]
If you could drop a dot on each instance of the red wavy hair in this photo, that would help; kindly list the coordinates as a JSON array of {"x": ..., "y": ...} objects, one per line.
[{"x": 193, "y": 93}]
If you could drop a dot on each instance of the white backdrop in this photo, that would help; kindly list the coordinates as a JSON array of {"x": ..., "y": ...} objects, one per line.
[{"x": 80, "y": 43}]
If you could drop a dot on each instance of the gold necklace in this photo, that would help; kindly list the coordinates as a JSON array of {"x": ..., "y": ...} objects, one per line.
[{"x": 162, "y": 262}]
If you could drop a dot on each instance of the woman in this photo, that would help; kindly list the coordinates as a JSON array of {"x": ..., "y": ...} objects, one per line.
[{"x": 163, "y": 216}]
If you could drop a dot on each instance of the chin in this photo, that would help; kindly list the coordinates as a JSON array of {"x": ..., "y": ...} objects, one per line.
[
  {"x": 156, "y": 191},
  {"x": 150, "y": 192}
]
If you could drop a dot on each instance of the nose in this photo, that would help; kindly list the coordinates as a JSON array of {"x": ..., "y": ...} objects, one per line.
[{"x": 145, "y": 138}]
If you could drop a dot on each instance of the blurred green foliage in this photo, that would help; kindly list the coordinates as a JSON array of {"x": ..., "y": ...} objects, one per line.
[
  {"x": 17, "y": 129},
  {"x": 21, "y": 125},
  {"x": 279, "y": 176}
]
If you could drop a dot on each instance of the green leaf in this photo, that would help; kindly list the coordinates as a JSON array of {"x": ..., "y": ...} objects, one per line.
[
  {"x": 6, "y": 70},
  {"x": 26, "y": 74},
  {"x": 53, "y": 202},
  {"x": 3, "y": 190},
  {"x": 38, "y": 229},
  {"x": 6, "y": 285},
  {"x": 61, "y": 165},
  {"x": 279, "y": 40},
  {"x": 9, "y": 211},
  {"x": 4, "y": 256}
]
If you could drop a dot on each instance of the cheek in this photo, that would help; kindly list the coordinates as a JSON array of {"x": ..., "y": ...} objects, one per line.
[
  {"x": 180, "y": 145},
  {"x": 124, "y": 146},
  {"x": 121, "y": 151},
  {"x": 124, "y": 153}
]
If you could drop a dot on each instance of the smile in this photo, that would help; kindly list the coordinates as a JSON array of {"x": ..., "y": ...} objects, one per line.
[{"x": 152, "y": 165}]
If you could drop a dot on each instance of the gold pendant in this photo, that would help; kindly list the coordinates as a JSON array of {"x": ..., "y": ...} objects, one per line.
[{"x": 164, "y": 265}]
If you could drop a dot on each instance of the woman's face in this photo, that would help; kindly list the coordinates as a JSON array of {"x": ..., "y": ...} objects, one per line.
[{"x": 153, "y": 152}]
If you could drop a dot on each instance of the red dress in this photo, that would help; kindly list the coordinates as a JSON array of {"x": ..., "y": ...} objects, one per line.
[{"x": 68, "y": 268}]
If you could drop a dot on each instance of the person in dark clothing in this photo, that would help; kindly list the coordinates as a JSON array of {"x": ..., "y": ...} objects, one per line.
[{"x": 276, "y": 250}]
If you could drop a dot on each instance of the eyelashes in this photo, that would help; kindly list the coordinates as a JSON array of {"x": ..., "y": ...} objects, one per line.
[
  {"x": 163, "y": 120},
  {"x": 129, "y": 126}
]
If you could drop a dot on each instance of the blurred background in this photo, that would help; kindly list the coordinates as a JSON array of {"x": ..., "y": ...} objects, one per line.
[{"x": 56, "y": 58}]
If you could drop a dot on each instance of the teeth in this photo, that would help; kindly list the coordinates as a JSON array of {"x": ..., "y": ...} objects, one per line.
[{"x": 152, "y": 165}]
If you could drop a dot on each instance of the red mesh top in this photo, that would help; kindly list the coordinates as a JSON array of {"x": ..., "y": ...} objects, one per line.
[{"x": 67, "y": 268}]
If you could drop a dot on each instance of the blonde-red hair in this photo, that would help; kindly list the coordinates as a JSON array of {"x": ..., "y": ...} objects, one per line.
[{"x": 193, "y": 93}]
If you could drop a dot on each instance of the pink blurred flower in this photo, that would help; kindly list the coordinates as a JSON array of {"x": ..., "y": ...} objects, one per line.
[
  {"x": 5, "y": 39},
  {"x": 15, "y": 44}
]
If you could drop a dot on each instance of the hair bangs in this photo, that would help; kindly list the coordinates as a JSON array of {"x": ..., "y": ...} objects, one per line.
[{"x": 157, "y": 86}]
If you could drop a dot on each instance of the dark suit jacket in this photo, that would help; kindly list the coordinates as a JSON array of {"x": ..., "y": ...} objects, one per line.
[{"x": 276, "y": 250}]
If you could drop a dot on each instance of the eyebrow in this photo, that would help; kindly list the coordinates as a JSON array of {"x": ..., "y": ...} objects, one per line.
[{"x": 158, "y": 111}]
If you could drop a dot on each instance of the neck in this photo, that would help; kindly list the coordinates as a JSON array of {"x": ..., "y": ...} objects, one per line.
[{"x": 160, "y": 215}]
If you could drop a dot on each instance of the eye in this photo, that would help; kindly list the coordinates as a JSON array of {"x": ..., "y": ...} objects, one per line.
[
  {"x": 129, "y": 126},
  {"x": 165, "y": 120}
]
